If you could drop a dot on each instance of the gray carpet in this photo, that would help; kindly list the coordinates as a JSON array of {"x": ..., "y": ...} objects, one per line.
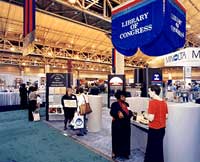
[
  {"x": 23, "y": 141},
  {"x": 100, "y": 141}
]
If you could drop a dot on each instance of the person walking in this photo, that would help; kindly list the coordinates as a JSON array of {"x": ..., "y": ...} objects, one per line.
[
  {"x": 82, "y": 99},
  {"x": 69, "y": 107},
  {"x": 157, "y": 116},
  {"x": 121, "y": 128},
  {"x": 32, "y": 102}
]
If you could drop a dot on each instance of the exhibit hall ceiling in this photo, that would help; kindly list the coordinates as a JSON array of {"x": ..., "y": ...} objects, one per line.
[{"x": 77, "y": 29}]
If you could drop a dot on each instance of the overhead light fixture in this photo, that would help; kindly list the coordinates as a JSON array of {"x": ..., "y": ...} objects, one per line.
[
  {"x": 72, "y": 1},
  {"x": 188, "y": 26},
  {"x": 199, "y": 36},
  {"x": 49, "y": 54},
  {"x": 12, "y": 49}
]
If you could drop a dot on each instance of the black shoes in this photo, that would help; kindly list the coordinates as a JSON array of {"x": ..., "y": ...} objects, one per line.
[{"x": 80, "y": 134}]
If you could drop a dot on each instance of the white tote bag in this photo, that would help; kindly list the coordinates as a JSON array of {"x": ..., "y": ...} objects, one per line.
[
  {"x": 78, "y": 121},
  {"x": 36, "y": 116}
]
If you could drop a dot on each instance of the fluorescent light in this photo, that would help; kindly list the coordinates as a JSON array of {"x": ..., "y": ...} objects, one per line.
[
  {"x": 72, "y": 1},
  {"x": 188, "y": 26},
  {"x": 12, "y": 49}
]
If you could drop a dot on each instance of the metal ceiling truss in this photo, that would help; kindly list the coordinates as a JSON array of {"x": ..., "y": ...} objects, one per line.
[
  {"x": 53, "y": 55},
  {"x": 93, "y": 13},
  {"x": 7, "y": 58}
]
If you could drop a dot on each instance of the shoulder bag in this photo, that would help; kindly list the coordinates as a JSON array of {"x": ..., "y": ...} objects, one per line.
[{"x": 85, "y": 108}]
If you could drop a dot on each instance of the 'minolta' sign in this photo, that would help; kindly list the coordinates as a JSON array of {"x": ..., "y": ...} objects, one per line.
[{"x": 185, "y": 57}]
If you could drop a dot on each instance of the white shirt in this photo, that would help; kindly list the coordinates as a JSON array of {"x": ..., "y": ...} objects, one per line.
[{"x": 82, "y": 99}]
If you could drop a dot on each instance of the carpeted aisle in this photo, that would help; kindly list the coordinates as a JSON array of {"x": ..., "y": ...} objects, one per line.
[{"x": 23, "y": 141}]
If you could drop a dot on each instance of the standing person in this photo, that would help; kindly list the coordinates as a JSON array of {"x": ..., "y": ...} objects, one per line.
[
  {"x": 69, "y": 110},
  {"x": 82, "y": 99},
  {"x": 23, "y": 96},
  {"x": 157, "y": 115},
  {"x": 32, "y": 102},
  {"x": 94, "y": 90},
  {"x": 121, "y": 128}
]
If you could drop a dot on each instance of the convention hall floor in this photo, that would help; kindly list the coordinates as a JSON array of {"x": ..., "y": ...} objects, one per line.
[
  {"x": 100, "y": 141},
  {"x": 23, "y": 141}
]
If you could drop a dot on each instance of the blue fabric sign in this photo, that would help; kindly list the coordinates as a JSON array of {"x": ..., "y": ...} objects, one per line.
[{"x": 155, "y": 27}]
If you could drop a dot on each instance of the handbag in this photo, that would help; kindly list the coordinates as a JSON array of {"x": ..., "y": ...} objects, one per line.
[
  {"x": 36, "y": 116},
  {"x": 85, "y": 108},
  {"x": 78, "y": 121}
]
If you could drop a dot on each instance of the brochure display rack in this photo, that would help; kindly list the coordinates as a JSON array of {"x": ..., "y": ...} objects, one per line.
[{"x": 56, "y": 84}]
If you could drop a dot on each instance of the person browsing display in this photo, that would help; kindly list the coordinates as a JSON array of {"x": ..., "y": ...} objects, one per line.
[
  {"x": 121, "y": 128},
  {"x": 157, "y": 116}
]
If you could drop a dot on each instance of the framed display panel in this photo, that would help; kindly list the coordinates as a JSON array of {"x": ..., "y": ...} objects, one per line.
[
  {"x": 56, "y": 84},
  {"x": 115, "y": 82}
]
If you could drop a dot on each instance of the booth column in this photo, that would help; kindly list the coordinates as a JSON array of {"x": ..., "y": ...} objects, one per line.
[
  {"x": 119, "y": 63},
  {"x": 187, "y": 72},
  {"x": 95, "y": 118}
]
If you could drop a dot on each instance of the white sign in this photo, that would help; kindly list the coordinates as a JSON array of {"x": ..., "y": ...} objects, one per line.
[
  {"x": 70, "y": 103},
  {"x": 187, "y": 72},
  {"x": 185, "y": 57}
]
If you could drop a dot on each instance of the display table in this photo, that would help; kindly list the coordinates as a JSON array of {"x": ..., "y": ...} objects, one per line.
[
  {"x": 181, "y": 141},
  {"x": 95, "y": 118},
  {"x": 9, "y": 98},
  {"x": 13, "y": 98},
  {"x": 137, "y": 104},
  {"x": 138, "y": 136}
]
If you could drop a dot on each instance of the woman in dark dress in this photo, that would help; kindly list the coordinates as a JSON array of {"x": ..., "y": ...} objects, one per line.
[
  {"x": 68, "y": 111},
  {"x": 121, "y": 129},
  {"x": 23, "y": 96}
]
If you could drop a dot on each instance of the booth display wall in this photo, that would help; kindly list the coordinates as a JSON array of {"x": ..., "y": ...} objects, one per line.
[
  {"x": 177, "y": 73},
  {"x": 56, "y": 84},
  {"x": 145, "y": 77}
]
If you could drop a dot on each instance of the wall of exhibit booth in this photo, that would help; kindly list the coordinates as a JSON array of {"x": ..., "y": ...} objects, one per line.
[{"x": 9, "y": 74}]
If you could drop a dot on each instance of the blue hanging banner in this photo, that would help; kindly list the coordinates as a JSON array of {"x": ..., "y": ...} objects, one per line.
[
  {"x": 173, "y": 35},
  {"x": 157, "y": 27}
]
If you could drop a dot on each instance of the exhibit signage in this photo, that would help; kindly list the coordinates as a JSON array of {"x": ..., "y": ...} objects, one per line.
[
  {"x": 56, "y": 79},
  {"x": 156, "y": 27},
  {"x": 184, "y": 57},
  {"x": 157, "y": 77}
]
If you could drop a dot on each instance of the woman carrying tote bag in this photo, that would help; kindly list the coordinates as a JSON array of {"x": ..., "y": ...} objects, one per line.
[{"x": 82, "y": 99}]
